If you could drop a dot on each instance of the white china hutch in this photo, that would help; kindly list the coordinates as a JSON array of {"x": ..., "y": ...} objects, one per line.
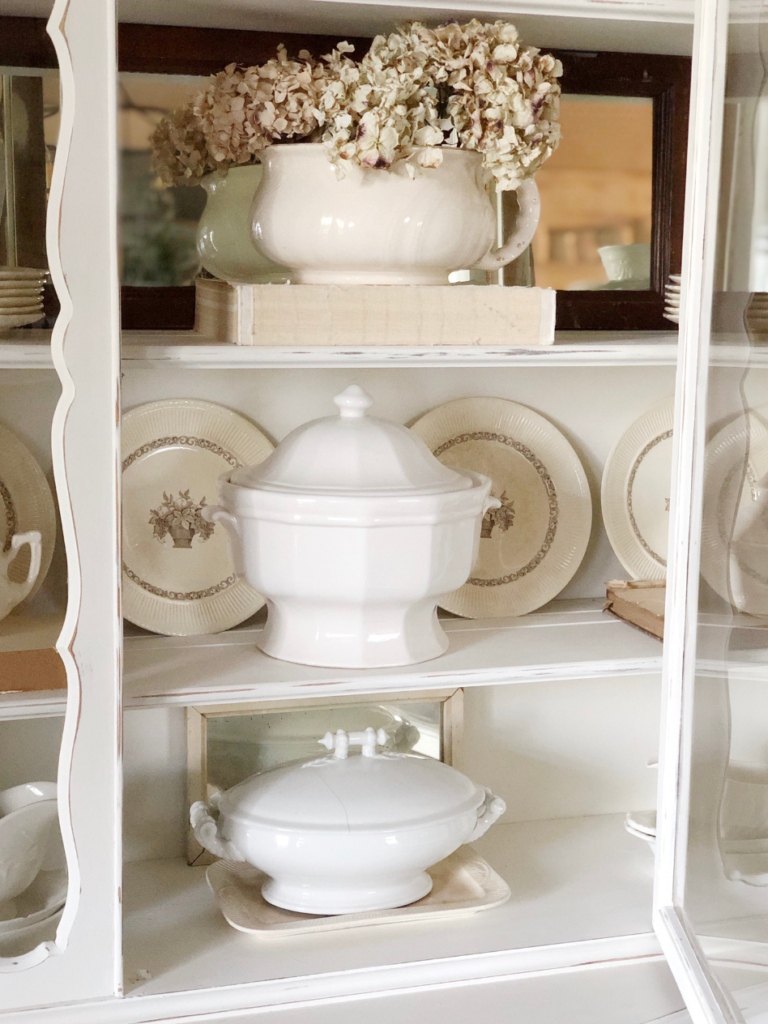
[{"x": 563, "y": 709}]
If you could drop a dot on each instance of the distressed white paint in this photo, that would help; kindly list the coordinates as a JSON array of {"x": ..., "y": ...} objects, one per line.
[
  {"x": 580, "y": 894},
  {"x": 85, "y": 958}
]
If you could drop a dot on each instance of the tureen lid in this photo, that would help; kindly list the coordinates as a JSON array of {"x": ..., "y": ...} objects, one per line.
[
  {"x": 350, "y": 453},
  {"x": 353, "y": 792}
]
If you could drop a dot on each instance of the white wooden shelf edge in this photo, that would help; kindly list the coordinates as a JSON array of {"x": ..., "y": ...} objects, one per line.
[
  {"x": 567, "y": 640},
  {"x": 152, "y": 349},
  {"x": 571, "y": 348}
]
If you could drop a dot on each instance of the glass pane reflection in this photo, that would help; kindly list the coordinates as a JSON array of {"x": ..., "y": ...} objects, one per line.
[
  {"x": 158, "y": 225},
  {"x": 595, "y": 227},
  {"x": 240, "y": 745}
]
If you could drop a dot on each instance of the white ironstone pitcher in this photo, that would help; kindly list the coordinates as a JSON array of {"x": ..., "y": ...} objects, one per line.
[{"x": 382, "y": 226}]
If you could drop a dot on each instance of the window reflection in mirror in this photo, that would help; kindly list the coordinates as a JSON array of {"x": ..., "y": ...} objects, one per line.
[
  {"x": 239, "y": 745},
  {"x": 158, "y": 225},
  {"x": 595, "y": 227}
]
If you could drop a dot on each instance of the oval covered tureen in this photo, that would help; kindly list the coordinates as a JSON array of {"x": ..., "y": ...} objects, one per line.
[
  {"x": 352, "y": 530},
  {"x": 347, "y": 832}
]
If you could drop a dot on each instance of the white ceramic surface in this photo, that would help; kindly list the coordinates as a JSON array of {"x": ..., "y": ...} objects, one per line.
[
  {"x": 347, "y": 832},
  {"x": 22, "y": 274},
  {"x": 178, "y": 574},
  {"x": 353, "y": 532},
  {"x": 19, "y": 303},
  {"x": 26, "y": 835},
  {"x": 533, "y": 542},
  {"x": 26, "y": 505},
  {"x": 635, "y": 493},
  {"x": 734, "y": 533},
  {"x": 630, "y": 263},
  {"x": 381, "y": 227},
  {"x": 39, "y": 902},
  {"x": 462, "y": 884},
  {"x": 11, "y": 591},
  {"x": 19, "y": 319},
  {"x": 224, "y": 233}
]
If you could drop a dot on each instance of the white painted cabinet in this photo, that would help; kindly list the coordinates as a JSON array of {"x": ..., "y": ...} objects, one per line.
[{"x": 560, "y": 709}]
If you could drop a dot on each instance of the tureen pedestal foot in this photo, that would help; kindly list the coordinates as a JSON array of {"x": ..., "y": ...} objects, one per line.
[
  {"x": 350, "y": 636},
  {"x": 314, "y": 897}
]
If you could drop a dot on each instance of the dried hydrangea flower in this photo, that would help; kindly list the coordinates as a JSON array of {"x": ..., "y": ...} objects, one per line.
[
  {"x": 472, "y": 86},
  {"x": 417, "y": 90},
  {"x": 179, "y": 150},
  {"x": 243, "y": 110}
]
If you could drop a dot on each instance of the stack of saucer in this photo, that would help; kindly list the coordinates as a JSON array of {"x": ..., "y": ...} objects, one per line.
[
  {"x": 672, "y": 296},
  {"x": 757, "y": 316},
  {"x": 21, "y": 296}
]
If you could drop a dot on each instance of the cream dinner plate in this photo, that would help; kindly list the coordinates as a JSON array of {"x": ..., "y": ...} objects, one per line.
[
  {"x": 734, "y": 530},
  {"x": 26, "y": 503},
  {"x": 635, "y": 493},
  {"x": 178, "y": 572},
  {"x": 531, "y": 546}
]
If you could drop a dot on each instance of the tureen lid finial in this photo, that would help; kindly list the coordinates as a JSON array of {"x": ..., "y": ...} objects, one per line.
[{"x": 353, "y": 402}]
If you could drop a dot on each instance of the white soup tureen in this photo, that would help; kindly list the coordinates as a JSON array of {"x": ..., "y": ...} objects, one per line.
[
  {"x": 352, "y": 530},
  {"x": 344, "y": 833}
]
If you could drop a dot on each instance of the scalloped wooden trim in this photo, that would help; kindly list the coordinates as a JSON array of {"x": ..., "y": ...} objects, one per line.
[{"x": 56, "y": 30}]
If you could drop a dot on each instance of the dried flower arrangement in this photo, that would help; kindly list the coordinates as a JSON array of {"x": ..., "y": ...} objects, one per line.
[{"x": 473, "y": 86}]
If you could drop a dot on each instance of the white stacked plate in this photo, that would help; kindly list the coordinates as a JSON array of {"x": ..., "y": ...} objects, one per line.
[
  {"x": 21, "y": 296},
  {"x": 672, "y": 298}
]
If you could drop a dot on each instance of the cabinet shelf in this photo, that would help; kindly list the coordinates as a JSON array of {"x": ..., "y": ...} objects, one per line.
[
  {"x": 567, "y": 640},
  {"x": 155, "y": 349},
  {"x": 581, "y": 893},
  {"x": 572, "y": 348}
]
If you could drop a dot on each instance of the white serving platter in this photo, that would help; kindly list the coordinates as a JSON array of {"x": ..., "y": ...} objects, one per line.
[{"x": 463, "y": 884}]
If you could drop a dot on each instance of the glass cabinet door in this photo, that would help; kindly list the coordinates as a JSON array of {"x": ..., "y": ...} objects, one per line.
[{"x": 712, "y": 835}]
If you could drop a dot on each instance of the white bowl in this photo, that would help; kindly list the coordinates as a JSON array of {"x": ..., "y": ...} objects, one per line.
[{"x": 28, "y": 822}]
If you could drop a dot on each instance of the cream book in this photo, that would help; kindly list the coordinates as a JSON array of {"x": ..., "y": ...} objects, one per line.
[{"x": 639, "y": 602}]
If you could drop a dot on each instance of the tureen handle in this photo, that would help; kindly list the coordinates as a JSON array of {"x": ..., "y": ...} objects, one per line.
[
  {"x": 519, "y": 238},
  {"x": 340, "y": 742},
  {"x": 217, "y": 514},
  {"x": 206, "y": 830},
  {"x": 490, "y": 810}
]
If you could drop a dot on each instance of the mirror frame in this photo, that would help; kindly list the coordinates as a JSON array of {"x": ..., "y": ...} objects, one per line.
[
  {"x": 173, "y": 50},
  {"x": 665, "y": 80}
]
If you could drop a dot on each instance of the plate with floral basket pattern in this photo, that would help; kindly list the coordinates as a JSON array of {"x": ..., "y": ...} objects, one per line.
[
  {"x": 26, "y": 503},
  {"x": 532, "y": 545},
  {"x": 635, "y": 493},
  {"x": 178, "y": 572}
]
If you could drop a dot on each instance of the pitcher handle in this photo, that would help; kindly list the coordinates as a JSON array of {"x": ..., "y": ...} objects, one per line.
[
  {"x": 217, "y": 514},
  {"x": 521, "y": 234},
  {"x": 35, "y": 541}
]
